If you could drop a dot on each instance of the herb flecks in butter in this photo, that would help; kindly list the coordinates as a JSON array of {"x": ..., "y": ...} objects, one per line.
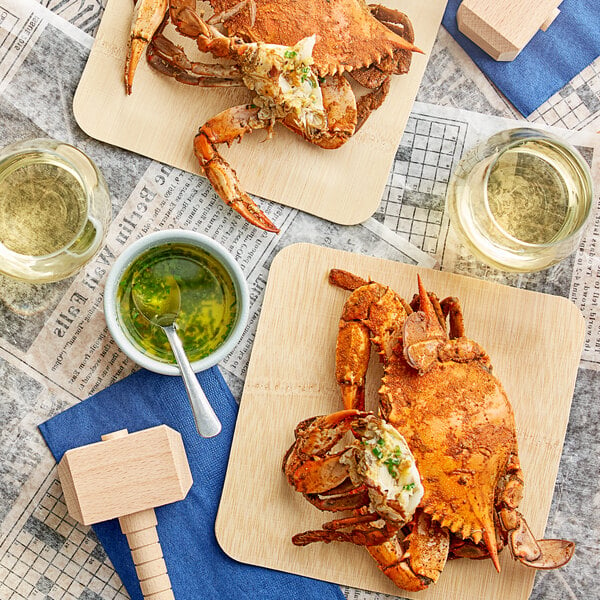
[{"x": 208, "y": 310}]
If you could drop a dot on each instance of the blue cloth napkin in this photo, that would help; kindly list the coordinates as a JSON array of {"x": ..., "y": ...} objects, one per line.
[
  {"x": 198, "y": 568},
  {"x": 548, "y": 62}
]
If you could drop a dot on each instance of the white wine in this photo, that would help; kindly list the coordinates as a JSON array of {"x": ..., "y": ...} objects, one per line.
[
  {"x": 43, "y": 204},
  {"x": 519, "y": 201},
  {"x": 54, "y": 210},
  {"x": 531, "y": 194}
]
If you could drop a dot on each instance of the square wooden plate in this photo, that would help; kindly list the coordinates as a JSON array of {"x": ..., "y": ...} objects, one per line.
[
  {"x": 534, "y": 341},
  {"x": 161, "y": 117}
]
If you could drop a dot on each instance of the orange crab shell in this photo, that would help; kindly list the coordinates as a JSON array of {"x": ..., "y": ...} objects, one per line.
[
  {"x": 348, "y": 35},
  {"x": 460, "y": 425}
]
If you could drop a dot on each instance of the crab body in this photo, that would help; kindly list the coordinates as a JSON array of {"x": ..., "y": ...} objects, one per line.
[
  {"x": 271, "y": 46},
  {"x": 350, "y": 34}
]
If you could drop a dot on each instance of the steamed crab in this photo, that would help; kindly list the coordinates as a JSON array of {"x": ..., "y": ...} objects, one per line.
[
  {"x": 272, "y": 55},
  {"x": 439, "y": 392},
  {"x": 374, "y": 476}
]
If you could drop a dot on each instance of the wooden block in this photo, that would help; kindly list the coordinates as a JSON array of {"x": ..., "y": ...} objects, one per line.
[
  {"x": 124, "y": 474},
  {"x": 503, "y": 28}
]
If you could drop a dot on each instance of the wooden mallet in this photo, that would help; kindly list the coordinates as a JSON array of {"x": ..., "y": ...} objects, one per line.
[
  {"x": 126, "y": 476},
  {"x": 502, "y": 28}
]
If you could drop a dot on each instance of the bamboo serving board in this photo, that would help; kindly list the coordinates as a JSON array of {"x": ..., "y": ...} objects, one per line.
[
  {"x": 161, "y": 117},
  {"x": 534, "y": 341}
]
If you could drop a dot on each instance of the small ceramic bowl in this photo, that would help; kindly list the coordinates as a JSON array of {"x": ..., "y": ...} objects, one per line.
[{"x": 153, "y": 240}]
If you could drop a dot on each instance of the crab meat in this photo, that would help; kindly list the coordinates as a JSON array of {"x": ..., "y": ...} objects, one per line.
[
  {"x": 384, "y": 463},
  {"x": 373, "y": 475}
]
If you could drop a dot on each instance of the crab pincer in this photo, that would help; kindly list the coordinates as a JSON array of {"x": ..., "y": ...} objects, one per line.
[
  {"x": 226, "y": 127},
  {"x": 146, "y": 19}
]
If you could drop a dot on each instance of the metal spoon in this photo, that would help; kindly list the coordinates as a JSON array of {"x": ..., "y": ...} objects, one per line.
[{"x": 162, "y": 310}]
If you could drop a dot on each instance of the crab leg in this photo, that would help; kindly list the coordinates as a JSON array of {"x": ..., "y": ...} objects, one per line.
[
  {"x": 234, "y": 10},
  {"x": 361, "y": 535},
  {"x": 538, "y": 554},
  {"x": 552, "y": 553},
  {"x": 227, "y": 127},
  {"x": 367, "y": 103},
  {"x": 343, "y": 497},
  {"x": 451, "y": 307},
  {"x": 169, "y": 59},
  {"x": 372, "y": 313},
  {"x": 147, "y": 17},
  {"x": 397, "y": 22},
  {"x": 417, "y": 561}
]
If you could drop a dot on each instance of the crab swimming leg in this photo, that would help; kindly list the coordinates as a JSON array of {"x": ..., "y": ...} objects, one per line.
[
  {"x": 538, "y": 554},
  {"x": 225, "y": 128}
]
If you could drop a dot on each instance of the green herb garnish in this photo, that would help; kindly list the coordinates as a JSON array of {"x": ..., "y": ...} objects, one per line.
[
  {"x": 208, "y": 309},
  {"x": 290, "y": 53}
]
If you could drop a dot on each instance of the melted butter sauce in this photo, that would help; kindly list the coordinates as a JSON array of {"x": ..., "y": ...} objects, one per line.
[{"x": 208, "y": 301}]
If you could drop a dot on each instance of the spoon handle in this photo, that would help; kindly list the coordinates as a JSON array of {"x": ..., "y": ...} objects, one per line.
[{"x": 207, "y": 422}]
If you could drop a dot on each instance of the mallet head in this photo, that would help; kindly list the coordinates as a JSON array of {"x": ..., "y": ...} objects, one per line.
[{"x": 124, "y": 474}]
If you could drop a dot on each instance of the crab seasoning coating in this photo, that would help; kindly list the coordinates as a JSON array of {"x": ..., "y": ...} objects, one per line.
[{"x": 439, "y": 392}]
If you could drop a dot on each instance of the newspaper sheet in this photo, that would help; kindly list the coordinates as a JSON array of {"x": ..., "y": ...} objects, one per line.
[{"x": 43, "y": 49}]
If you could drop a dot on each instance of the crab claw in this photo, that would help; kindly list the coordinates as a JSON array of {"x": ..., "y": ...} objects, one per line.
[
  {"x": 147, "y": 17},
  {"x": 422, "y": 333},
  {"x": 225, "y": 128}
]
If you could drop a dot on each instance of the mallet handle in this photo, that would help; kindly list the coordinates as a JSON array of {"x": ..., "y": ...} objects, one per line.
[{"x": 140, "y": 529}]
